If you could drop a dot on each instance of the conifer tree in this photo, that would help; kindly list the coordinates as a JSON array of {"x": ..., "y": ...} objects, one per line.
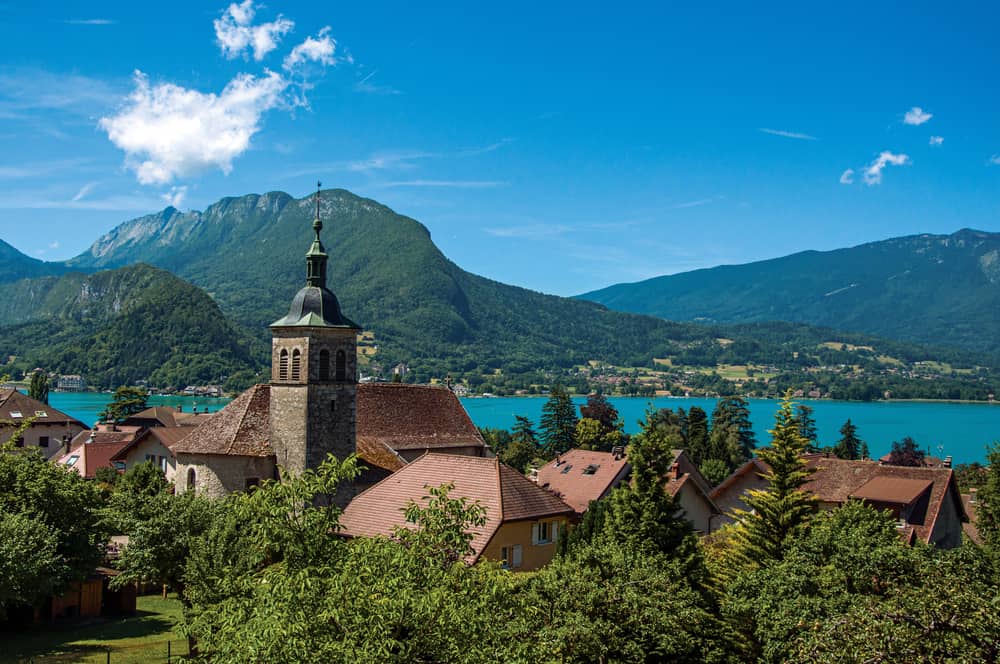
[
  {"x": 807, "y": 425},
  {"x": 776, "y": 513},
  {"x": 849, "y": 445},
  {"x": 558, "y": 423},
  {"x": 696, "y": 441},
  {"x": 39, "y": 386},
  {"x": 523, "y": 446},
  {"x": 732, "y": 439}
]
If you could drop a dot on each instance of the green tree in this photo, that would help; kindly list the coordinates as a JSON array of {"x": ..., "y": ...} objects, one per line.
[
  {"x": 849, "y": 445},
  {"x": 714, "y": 470},
  {"x": 906, "y": 452},
  {"x": 523, "y": 449},
  {"x": 127, "y": 401},
  {"x": 732, "y": 439},
  {"x": 988, "y": 497},
  {"x": 696, "y": 436},
  {"x": 590, "y": 435},
  {"x": 807, "y": 425},
  {"x": 776, "y": 513},
  {"x": 558, "y": 423},
  {"x": 38, "y": 389},
  {"x": 50, "y": 508}
]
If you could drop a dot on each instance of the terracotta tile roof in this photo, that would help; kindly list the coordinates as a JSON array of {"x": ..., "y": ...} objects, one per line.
[
  {"x": 413, "y": 417},
  {"x": 240, "y": 429},
  {"x": 376, "y": 453},
  {"x": 837, "y": 480},
  {"x": 167, "y": 436},
  {"x": 14, "y": 401},
  {"x": 565, "y": 476},
  {"x": 96, "y": 454},
  {"x": 506, "y": 494},
  {"x": 897, "y": 490}
]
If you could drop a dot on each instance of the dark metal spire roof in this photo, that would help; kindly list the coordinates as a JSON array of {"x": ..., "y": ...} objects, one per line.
[{"x": 315, "y": 305}]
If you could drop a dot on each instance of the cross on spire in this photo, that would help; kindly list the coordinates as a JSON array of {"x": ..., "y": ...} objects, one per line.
[
  {"x": 317, "y": 223},
  {"x": 316, "y": 256}
]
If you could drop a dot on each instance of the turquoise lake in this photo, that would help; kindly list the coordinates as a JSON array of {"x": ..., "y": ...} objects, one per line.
[{"x": 957, "y": 429}]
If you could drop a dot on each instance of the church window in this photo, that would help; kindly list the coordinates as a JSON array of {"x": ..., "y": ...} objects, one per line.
[
  {"x": 341, "y": 365},
  {"x": 296, "y": 360},
  {"x": 191, "y": 479},
  {"x": 283, "y": 365},
  {"x": 324, "y": 364},
  {"x": 333, "y": 406}
]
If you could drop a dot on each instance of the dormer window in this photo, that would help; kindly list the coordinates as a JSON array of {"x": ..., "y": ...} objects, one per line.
[
  {"x": 591, "y": 469},
  {"x": 16, "y": 414},
  {"x": 41, "y": 413}
]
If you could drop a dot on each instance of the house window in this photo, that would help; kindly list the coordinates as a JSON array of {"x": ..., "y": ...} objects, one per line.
[
  {"x": 296, "y": 360},
  {"x": 283, "y": 365},
  {"x": 510, "y": 556},
  {"x": 119, "y": 465},
  {"x": 43, "y": 441},
  {"x": 591, "y": 469},
  {"x": 341, "y": 365},
  {"x": 41, "y": 413},
  {"x": 16, "y": 414},
  {"x": 19, "y": 442},
  {"x": 540, "y": 533},
  {"x": 324, "y": 364},
  {"x": 72, "y": 460},
  {"x": 191, "y": 479}
]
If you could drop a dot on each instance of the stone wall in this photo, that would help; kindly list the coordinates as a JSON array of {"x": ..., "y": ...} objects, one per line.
[{"x": 217, "y": 475}]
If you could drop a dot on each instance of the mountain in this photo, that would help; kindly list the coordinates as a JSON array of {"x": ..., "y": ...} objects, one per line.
[
  {"x": 121, "y": 326},
  {"x": 932, "y": 289},
  {"x": 14, "y": 265}
]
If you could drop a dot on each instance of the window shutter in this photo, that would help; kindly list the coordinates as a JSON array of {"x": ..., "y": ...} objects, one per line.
[
  {"x": 534, "y": 533},
  {"x": 516, "y": 562},
  {"x": 555, "y": 531}
]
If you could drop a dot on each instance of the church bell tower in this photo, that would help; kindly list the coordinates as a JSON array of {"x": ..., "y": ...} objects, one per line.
[{"x": 313, "y": 373}]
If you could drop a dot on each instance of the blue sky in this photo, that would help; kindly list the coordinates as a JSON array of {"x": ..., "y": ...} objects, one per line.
[{"x": 557, "y": 146}]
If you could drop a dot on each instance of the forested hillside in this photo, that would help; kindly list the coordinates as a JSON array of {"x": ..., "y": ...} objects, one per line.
[{"x": 933, "y": 289}]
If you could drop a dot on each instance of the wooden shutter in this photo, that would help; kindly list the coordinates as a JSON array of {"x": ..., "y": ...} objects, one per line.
[
  {"x": 516, "y": 557},
  {"x": 534, "y": 533}
]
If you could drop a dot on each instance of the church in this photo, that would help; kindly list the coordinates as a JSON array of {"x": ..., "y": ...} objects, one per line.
[{"x": 313, "y": 406}]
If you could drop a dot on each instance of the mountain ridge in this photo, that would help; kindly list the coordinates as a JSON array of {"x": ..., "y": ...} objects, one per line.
[{"x": 940, "y": 289}]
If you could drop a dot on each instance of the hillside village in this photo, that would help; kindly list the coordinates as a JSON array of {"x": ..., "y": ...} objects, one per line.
[{"x": 415, "y": 441}]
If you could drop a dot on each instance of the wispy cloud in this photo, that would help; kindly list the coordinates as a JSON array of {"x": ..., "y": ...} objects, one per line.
[
  {"x": 90, "y": 21},
  {"x": 691, "y": 204},
  {"x": 847, "y": 177},
  {"x": 399, "y": 159},
  {"x": 528, "y": 232},
  {"x": 84, "y": 190},
  {"x": 788, "y": 134},
  {"x": 917, "y": 116},
  {"x": 995, "y": 160},
  {"x": 936, "y": 140},
  {"x": 453, "y": 184},
  {"x": 53, "y": 200},
  {"x": 175, "y": 196},
  {"x": 873, "y": 172},
  {"x": 368, "y": 86},
  {"x": 318, "y": 49},
  {"x": 23, "y": 92},
  {"x": 39, "y": 169}
]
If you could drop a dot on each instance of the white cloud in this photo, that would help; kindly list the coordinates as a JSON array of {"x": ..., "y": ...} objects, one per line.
[
  {"x": 54, "y": 245},
  {"x": 936, "y": 140},
  {"x": 847, "y": 177},
  {"x": 366, "y": 85},
  {"x": 873, "y": 172},
  {"x": 90, "y": 21},
  {"x": 995, "y": 160},
  {"x": 236, "y": 35},
  {"x": 532, "y": 231},
  {"x": 691, "y": 204},
  {"x": 320, "y": 49},
  {"x": 169, "y": 131},
  {"x": 175, "y": 196},
  {"x": 84, "y": 190},
  {"x": 788, "y": 134},
  {"x": 917, "y": 116},
  {"x": 454, "y": 184}
]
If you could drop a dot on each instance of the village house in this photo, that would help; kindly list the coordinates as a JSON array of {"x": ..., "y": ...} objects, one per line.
[
  {"x": 155, "y": 445},
  {"x": 581, "y": 476},
  {"x": 924, "y": 501},
  {"x": 50, "y": 430},
  {"x": 95, "y": 448},
  {"x": 523, "y": 521}
]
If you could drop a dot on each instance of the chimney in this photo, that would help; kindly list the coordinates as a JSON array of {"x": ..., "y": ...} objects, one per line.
[
  {"x": 180, "y": 408},
  {"x": 675, "y": 470},
  {"x": 65, "y": 443},
  {"x": 947, "y": 461}
]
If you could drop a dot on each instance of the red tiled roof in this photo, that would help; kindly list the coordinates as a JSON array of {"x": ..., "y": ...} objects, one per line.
[
  {"x": 896, "y": 490},
  {"x": 14, "y": 401},
  {"x": 240, "y": 429},
  {"x": 96, "y": 454},
  {"x": 506, "y": 494},
  {"x": 168, "y": 437},
  {"x": 413, "y": 417},
  {"x": 565, "y": 476},
  {"x": 837, "y": 480}
]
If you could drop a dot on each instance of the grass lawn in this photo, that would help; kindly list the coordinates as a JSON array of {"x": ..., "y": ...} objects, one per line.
[{"x": 141, "y": 638}]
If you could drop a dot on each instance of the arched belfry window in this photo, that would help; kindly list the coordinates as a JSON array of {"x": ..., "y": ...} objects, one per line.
[
  {"x": 296, "y": 361},
  {"x": 324, "y": 364},
  {"x": 283, "y": 365},
  {"x": 341, "y": 365},
  {"x": 191, "y": 479}
]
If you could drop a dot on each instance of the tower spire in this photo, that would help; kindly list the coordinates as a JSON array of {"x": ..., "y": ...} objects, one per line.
[{"x": 316, "y": 256}]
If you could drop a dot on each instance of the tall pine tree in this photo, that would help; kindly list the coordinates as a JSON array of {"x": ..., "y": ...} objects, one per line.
[
  {"x": 732, "y": 439},
  {"x": 849, "y": 445},
  {"x": 558, "y": 424},
  {"x": 696, "y": 443},
  {"x": 776, "y": 513}
]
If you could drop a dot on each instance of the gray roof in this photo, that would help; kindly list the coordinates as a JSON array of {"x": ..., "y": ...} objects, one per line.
[{"x": 315, "y": 306}]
